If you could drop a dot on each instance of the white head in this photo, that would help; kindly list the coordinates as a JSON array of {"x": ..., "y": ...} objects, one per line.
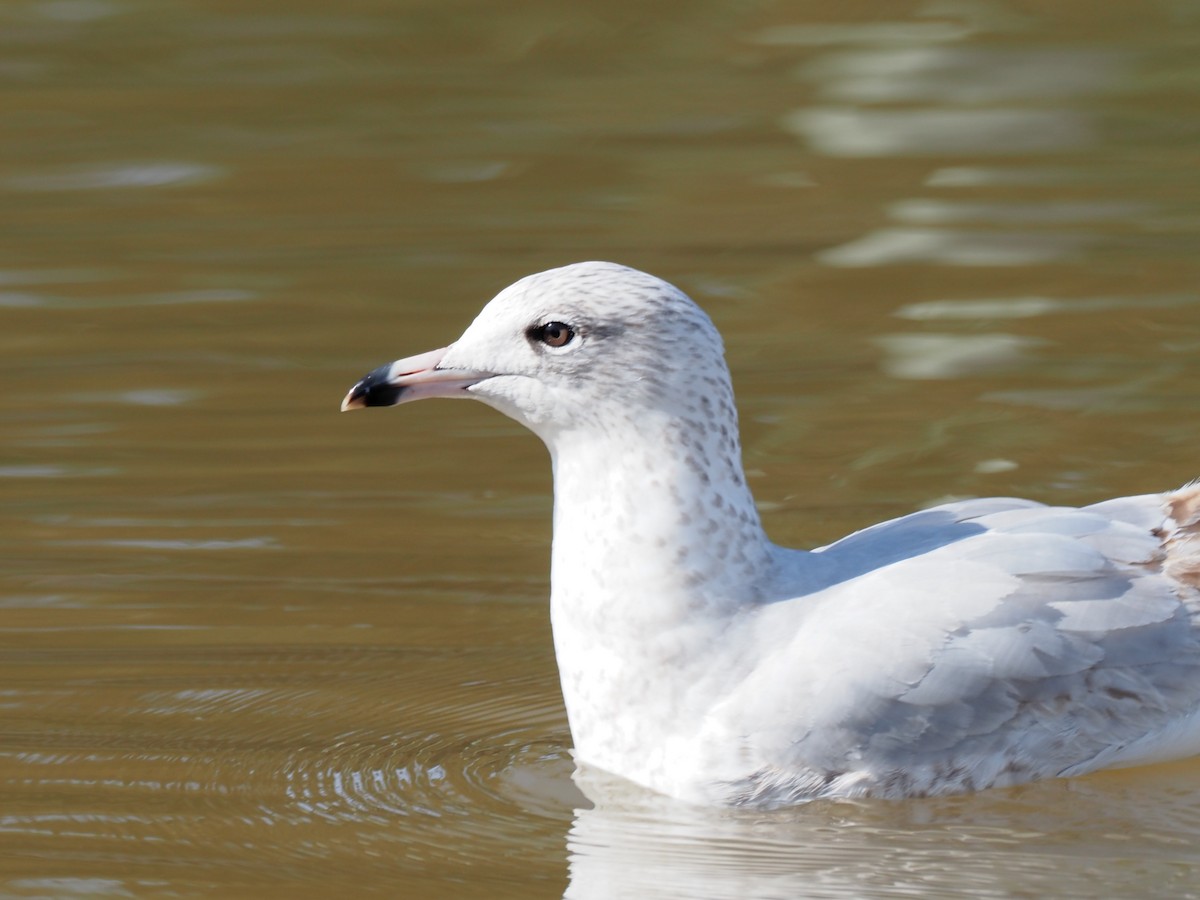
[
  {"x": 624, "y": 379},
  {"x": 574, "y": 348}
]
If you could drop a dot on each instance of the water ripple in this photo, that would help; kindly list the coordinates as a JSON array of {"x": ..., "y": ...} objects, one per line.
[{"x": 299, "y": 766}]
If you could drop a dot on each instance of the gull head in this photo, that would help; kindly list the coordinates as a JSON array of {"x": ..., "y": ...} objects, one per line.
[{"x": 570, "y": 349}]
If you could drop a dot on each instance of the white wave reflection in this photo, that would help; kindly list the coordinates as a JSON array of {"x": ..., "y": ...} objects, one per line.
[
  {"x": 1028, "y": 307},
  {"x": 928, "y": 356},
  {"x": 850, "y": 132},
  {"x": 922, "y": 211},
  {"x": 944, "y": 246},
  {"x": 1018, "y": 176},
  {"x": 19, "y": 300},
  {"x": 43, "y": 470},
  {"x": 467, "y": 172},
  {"x": 116, "y": 176},
  {"x": 68, "y": 886},
  {"x": 22, "y": 300},
  {"x": 77, "y": 11},
  {"x": 963, "y": 75},
  {"x": 1135, "y": 396},
  {"x": 861, "y": 33},
  {"x": 255, "y": 543},
  {"x": 53, "y": 276},
  {"x": 1058, "y": 839},
  {"x": 143, "y": 397}
]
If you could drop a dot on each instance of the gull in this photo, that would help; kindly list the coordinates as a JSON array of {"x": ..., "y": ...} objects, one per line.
[{"x": 977, "y": 644}]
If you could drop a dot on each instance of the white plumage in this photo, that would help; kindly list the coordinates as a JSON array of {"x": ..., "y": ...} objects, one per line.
[{"x": 972, "y": 645}]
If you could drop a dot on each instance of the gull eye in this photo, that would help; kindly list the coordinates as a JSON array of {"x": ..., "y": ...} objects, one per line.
[{"x": 553, "y": 334}]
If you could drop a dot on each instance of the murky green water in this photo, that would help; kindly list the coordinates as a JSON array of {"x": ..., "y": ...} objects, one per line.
[{"x": 250, "y": 646}]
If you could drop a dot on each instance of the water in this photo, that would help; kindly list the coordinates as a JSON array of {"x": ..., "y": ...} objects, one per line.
[{"x": 249, "y": 645}]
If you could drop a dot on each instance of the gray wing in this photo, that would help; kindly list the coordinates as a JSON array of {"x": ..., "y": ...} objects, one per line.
[{"x": 1031, "y": 642}]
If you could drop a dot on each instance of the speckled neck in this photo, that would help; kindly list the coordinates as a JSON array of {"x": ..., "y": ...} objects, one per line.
[
  {"x": 657, "y": 519},
  {"x": 657, "y": 547}
]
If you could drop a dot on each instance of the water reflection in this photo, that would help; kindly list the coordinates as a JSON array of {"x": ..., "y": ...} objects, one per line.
[
  {"x": 1017, "y": 176},
  {"x": 1141, "y": 394},
  {"x": 147, "y": 397},
  {"x": 1029, "y": 307},
  {"x": 52, "y": 276},
  {"x": 964, "y": 75},
  {"x": 170, "y": 298},
  {"x": 930, "y": 355},
  {"x": 924, "y": 211},
  {"x": 854, "y": 132},
  {"x": 114, "y": 177},
  {"x": 940, "y": 96},
  {"x": 77, "y": 10},
  {"x": 877, "y": 32},
  {"x": 995, "y": 844},
  {"x": 953, "y": 247},
  {"x": 43, "y": 470}
]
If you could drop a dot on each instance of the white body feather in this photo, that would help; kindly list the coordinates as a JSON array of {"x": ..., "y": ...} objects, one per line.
[{"x": 976, "y": 644}]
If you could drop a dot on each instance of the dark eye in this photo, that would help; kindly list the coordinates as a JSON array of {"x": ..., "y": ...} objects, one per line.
[{"x": 553, "y": 334}]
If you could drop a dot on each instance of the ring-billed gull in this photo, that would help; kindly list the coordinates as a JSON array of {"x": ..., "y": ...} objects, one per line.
[{"x": 976, "y": 644}]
